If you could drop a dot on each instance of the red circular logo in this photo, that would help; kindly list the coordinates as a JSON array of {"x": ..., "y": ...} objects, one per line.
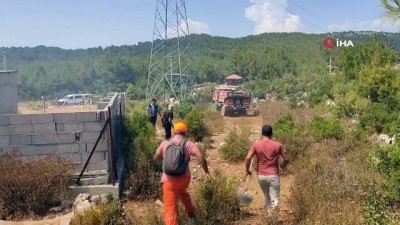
[{"x": 329, "y": 42}]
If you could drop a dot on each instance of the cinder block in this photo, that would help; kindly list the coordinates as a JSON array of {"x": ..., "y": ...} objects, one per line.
[
  {"x": 60, "y": 127},
  {"x": 5, "y": 130},
  {"x": 20, "y": 119},
  {"x": 97, "y": 156},
  {"x": 64, "y": 117},
  {"x": 94, "y": 126},
  {"x": 102, "y": 105},
  {"x": 44, "y": 128},
  {"x": 101, "y": 146},
  {"x": 20, "y": 140},
  {"x": 26, "y": 129},
  {"x": 42, "y": 118},
  {"x": 42, "y": 139},
  {"x": 102, "y": 115},
  {"x": 61, "y": 138},
  {"x": 4, "y": 119},
  {"x": 90, "y": 136},
  {"x": 69, "y": 148},
  {"x": 45, "y": 149},
  {"x": 92, "y": 166},
  {"x": 74, "y": 127},
  {"x": 86, "y": 116},
  {"x": 75, "y": 157}
]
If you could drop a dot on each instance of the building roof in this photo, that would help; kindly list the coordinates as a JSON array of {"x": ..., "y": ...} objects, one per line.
[
  {"x": 234, "y": 77},
  {"x": 8, "y": 71}
]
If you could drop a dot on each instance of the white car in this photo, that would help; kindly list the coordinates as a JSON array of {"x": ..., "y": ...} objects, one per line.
[{"x": 74, "y": 99}]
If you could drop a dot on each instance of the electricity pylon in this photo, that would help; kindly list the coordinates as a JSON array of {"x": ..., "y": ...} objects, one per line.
[{"x": 170, "y": 66}]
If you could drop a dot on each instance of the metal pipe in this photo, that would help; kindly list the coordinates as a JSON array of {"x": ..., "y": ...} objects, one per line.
[{"x": 91, "y": 153}]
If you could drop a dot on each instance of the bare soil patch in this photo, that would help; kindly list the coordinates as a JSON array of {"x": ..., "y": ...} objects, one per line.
[{"x": 37, "y": 108}]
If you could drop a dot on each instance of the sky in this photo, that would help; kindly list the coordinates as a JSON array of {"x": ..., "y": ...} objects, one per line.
[{"x": 73, "y": 24}]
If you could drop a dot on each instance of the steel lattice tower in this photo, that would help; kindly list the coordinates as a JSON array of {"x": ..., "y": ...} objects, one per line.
[{"x": 170, "y": 60}]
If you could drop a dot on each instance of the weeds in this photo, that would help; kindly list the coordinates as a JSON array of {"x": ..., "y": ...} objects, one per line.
[
  {"x": 216, "y": 201},
  {"x": 215, "y": 122},
  {"x": 32, "y": 187},
  {"x": 196, "y": 125},
  {"x": 321, "y": 128},
  {"x": 144, "y": 172},
  {"x": 237, "y": 144},
  {"x": 103, "y": 214},
  {"x": 328, "y": 190}
]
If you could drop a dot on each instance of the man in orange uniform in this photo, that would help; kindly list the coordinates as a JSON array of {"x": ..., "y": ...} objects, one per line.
[
  {"x": 175, "y": 187},
  {"x": 268, "y": 153}
]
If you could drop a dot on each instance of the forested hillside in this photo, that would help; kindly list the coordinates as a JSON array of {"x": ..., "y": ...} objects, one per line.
[{"x": 290, "y": 65}]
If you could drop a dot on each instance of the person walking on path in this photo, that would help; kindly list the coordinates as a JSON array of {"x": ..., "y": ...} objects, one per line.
[
  {"x": 152, "y": 111},
  {"x": 166, "y": 119},
  {"x": 268, "y": 152},
  {"x": 175, "y": 181}
]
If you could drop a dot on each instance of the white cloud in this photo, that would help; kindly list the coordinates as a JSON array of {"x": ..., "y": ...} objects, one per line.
[
  {"x": 371, "y": 25},
  {"x": 268, "y": 16},
  {"x": 197, "y": 27}
]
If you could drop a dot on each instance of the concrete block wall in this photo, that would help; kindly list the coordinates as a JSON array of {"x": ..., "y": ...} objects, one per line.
[{"x": 69, "y": 135}]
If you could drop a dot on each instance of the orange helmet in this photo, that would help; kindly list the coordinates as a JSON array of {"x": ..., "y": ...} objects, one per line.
[{"x": 180, "y": 128}]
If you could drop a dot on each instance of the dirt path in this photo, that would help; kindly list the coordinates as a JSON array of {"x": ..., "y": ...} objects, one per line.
[
  {"x": 215, "y": 161},
  {"x": 256, "y": 208}
]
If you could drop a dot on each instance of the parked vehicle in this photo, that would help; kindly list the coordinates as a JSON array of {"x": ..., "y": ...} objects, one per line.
[{"x": 73, "y": 99}]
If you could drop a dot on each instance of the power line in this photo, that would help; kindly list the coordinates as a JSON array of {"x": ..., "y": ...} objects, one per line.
[
  {"x": 306, "y": 20},
  {"x": 309, "y": 12},
  {"x": 283, "y": 16}
]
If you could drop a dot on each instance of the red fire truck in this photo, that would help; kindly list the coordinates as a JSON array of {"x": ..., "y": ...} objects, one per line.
[{"x": 230, "y": 101}]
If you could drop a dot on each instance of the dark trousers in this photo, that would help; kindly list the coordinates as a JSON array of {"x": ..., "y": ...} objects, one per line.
[
  {"x": 153, "y": 120},
  {"x": 167, "y": 128}
]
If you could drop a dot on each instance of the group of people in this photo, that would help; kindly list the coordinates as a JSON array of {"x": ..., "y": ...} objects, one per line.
[
  {"x": 166, "y": 118},
  {"x": 175, "y": 153}
]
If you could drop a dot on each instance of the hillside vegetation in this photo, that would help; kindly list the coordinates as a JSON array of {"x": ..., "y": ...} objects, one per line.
[{"x": 288, "y": 63}]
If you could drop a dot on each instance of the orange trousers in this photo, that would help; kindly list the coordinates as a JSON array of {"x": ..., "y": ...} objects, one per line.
[{"x": 175, "y": 190}]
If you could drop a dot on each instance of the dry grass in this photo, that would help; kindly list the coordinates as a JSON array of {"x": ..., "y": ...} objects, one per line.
[
  {"x": 328, "y": 184},
  {"x": 270, "y": 112},
  {"x": 215, "y": 122},
  {"x": 29, "y": 188}
]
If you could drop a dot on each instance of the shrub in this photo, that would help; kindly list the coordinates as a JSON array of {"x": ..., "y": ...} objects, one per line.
[
  {"x": 138, "y": 124},
  {"x": 182, "y": 109},
  {"x": 295, "y": 145},
  {"x": 196, "y": 125},
  {"x": 148, "y": 215},
  {"x": 321, "y": 128},
  {"x": 378, "y": 117},
  {"x": 103, "y": 214},
  {"x": 32, "y": 187},
  {"x": 237, "y": 144},
  {"x": 144, "y": 172},
  {"x": 216, "y": 201},
  {"x": 284, "y": 126}
]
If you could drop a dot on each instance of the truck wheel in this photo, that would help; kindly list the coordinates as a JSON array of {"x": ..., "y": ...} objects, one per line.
[{"x": 214, "y": 106}]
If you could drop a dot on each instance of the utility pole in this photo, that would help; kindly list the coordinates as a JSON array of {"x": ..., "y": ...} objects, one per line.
[
  {"x": 4, "y": 60},
  {"x": 170, "y": 69}
]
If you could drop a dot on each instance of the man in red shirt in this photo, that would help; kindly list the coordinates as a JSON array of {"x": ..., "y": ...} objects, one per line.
[{"x": 268, "y": 153}]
